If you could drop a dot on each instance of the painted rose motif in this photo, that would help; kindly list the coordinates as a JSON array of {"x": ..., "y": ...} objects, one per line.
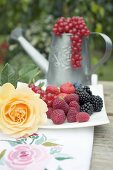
[
  {"x": 21, "y": 110},
  {"x": 26, "y": 157}
]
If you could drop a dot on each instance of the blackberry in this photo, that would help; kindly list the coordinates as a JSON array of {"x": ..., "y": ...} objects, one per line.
[
  {"x": 84, "y": 97},
  {"x": 84, "y": 88},
  {"x": 79, "y": 90},
  {"x": 97, "y": 103},
  {"x": 87, "y": 107},
  {"x": 87, "y": 89},
  {"x": 84, "y": 93}
]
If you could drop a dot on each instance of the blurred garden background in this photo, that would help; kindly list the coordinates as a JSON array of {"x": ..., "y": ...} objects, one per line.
[{"x": 37, "y": 18}]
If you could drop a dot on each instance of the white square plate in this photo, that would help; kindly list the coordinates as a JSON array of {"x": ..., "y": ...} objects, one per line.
[{"x": 97, "y": 118}]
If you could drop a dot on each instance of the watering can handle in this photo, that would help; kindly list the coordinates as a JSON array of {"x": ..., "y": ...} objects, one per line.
[{"x": 107, "y": 51}]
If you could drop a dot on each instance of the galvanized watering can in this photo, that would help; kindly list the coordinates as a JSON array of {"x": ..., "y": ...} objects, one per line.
[{"x": 59, "y": 70}]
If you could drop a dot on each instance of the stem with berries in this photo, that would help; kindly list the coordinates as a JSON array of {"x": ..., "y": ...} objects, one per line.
[{"x": 78, "y": 29}]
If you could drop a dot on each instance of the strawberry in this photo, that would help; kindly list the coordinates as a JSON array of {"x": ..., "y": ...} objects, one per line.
[
  {"x": 52, "y": 89},
  {"x": 82, "y": 117},
  {"x": 58, "y": 116},
  {"x": 67, "y": 88}
]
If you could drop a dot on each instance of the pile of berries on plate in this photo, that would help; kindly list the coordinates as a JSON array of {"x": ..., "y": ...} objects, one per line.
[
  {"x": 70, "y": 102},
  {"x": 78, "y": 29}
]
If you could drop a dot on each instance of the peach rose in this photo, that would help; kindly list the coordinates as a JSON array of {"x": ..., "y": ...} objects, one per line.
[{"x": 21, "y": 110}]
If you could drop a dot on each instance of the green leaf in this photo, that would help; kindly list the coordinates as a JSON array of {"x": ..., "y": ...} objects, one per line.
[
  {"x": 28, "y": 77},
  {"x": 13, "y": 143},
  {"x": 8, "y": 74},
  {"x": 41, "y": 84},
  {"x": 102, "y": 11},
  {"x": 98, "y": 27},
  {"x": 2, "y": 153},
  {"x": 49, "y": 144},
  {"x": 62, "y": 158},
  {"x": 26, "y": 69},
  {"x": 28, "y": 73},
  {"x": 94, "y": 7}
]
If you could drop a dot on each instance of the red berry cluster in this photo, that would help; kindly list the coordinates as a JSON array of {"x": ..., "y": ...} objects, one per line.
[
  {"x": 37, "y": 89},
  {"x": 63, "y": 103},
  {"x": 48, "y": 95},
  {"x": 78, "y": 29}
]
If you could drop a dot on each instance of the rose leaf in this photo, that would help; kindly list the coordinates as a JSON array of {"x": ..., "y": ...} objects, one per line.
[
  {"x": 29, "y": 76},
  {"x": 8, "y": 74}
]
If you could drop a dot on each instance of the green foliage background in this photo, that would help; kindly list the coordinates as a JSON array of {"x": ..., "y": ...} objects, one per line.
[{"x": 36, "y": 17}]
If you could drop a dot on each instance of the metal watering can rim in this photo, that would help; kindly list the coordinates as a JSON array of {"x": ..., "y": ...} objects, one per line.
[{"x": 42, "y": 62}]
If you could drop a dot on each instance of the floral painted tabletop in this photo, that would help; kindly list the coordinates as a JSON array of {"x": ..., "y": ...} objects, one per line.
[
  {"x": 27, "y": 142},
  {"x": 47, "y": 150}
]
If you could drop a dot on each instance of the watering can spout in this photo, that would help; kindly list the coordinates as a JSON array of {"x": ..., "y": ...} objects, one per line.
[{"x": 36, "y": 56}]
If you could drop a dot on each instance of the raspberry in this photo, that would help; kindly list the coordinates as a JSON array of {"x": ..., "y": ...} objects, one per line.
[
  {"x": 52, "y": 89},
  {"x": 71, "y": 115},
  {"x": 75, "y": 105},
  {"x": 82, "y": 117},
  {"x": 71, "y": 97},
  {"x": 59, "y": 103},
  {"x": 48, "y": 98},
  {"x": 49, "y": 112},
  {"x": 67, "y": 88},
  {"x": 58, "y": 116}
]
